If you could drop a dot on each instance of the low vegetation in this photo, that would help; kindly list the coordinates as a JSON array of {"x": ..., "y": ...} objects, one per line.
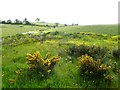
[{"x": 62, "y": 57}]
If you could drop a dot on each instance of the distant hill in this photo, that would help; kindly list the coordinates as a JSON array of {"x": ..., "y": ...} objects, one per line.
[{"x": 100, "y": 29}]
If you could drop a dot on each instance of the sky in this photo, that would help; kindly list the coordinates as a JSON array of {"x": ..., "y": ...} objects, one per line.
[{"x": 82, "y": 12}]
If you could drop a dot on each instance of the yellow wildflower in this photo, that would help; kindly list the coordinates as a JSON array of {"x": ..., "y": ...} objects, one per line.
[
  {"x": 109, "y": 77},
  {"x": 49, "y": 71},
  {"x": 109, "y": 67},
  {"x": 49, "y": 64}
]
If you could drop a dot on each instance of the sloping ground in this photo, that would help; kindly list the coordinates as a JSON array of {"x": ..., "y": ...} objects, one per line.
[
  {"x": 9, "y": 30},
  {"x": 99, "y": 29},
  {"x": 66, "y": 72}
]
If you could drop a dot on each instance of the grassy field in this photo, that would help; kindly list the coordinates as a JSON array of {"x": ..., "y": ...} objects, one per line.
[
  {"x": 9, "y": 30},
  {"x": 99, "y": 29},
  {"x": 57, "y": 41}
]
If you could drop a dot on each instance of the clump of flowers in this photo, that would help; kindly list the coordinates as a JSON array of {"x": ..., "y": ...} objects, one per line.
[
  {"x": 41, "y": 65},
  {"x": 91, "y": 68}
]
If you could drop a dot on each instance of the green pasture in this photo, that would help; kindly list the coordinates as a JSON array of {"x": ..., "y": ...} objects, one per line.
[
  {"x": 99, "y": 29},
  {"x": 9, "y": 30}
]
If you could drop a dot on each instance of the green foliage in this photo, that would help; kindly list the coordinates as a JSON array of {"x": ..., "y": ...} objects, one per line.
[
  {"x": 17, "y": 39},
  {"x": 93, "y": 51},
  {"x": 3, "y": 22},
  {"x": 116, "y": 53},
  {"x": 9, "y": 21},
  {"x": 15, "y": 71},
  {"x": 94, "y": 69},
  {"x": 55, "y": 33}
]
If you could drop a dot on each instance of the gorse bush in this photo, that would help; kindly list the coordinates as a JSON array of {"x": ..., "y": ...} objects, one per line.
[
  {"x": 116, "y": 53},
  {"x": 91, "y": 68},
  {"x": 41, "y": 65},
  {"x": 93, "y": 51},
  {"x": 38, "y": 67}
]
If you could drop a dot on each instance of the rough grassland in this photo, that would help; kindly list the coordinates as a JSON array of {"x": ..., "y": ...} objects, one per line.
[
  {"x": 99, "y": 29},
  {"x": 57, "y": 41}
]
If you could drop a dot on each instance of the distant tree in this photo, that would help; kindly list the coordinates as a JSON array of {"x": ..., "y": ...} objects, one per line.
[
  {"x": 76, "y": 24},
  {"x": 73, "y": 24},
  {"x": 3, "y": 22},
  {"x": 65, "y": 24},
  {"x": 26, "y": 22},
  {"x": 9, "y": 21},
  {"x": 16, "y": 21},
  {"x": 37, "y": 19},
  {"x": 56, "y": 24},
  {"x": 20, "y": 22},
  {"x": 25, "y": 19}
]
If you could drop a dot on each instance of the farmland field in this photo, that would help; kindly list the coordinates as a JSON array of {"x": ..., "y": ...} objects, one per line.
[{"x": 72, "y": 44}]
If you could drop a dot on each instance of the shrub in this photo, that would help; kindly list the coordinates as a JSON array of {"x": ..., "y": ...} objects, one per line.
[
  {"x": 41, "y": 65},
  {"x": 55, "y": 33},
  {"x": 116, "y": 53},
  {"x": 17, "y": 39},
  {"x": 93, "y": 51},
  {"x": 91, "y": 68}
]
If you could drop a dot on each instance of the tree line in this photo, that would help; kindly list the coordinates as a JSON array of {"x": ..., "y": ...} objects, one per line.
[
  {"x": 26, "y": 22},
  {"x": 17, "y": 21}
]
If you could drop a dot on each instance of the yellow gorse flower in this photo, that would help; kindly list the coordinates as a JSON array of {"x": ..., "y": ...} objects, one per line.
[
  {"x": 85, "y": 59},
  {"x": 108, "y": 77},
  {"x": 36, "y": 55},
  {"x": 49, "y": 71},
  {"x": 29, "y": 57},
  {"x": 36, "y": 61},
  {"x": 56, "y": 58},
  {"x": 90, "y": 67}
]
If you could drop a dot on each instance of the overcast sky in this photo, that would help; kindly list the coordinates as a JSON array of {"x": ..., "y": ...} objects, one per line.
[{"x": 83, "y": 12}]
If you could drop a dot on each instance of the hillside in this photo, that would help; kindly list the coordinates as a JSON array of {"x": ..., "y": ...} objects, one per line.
[{"x": 48, "y": 57}]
